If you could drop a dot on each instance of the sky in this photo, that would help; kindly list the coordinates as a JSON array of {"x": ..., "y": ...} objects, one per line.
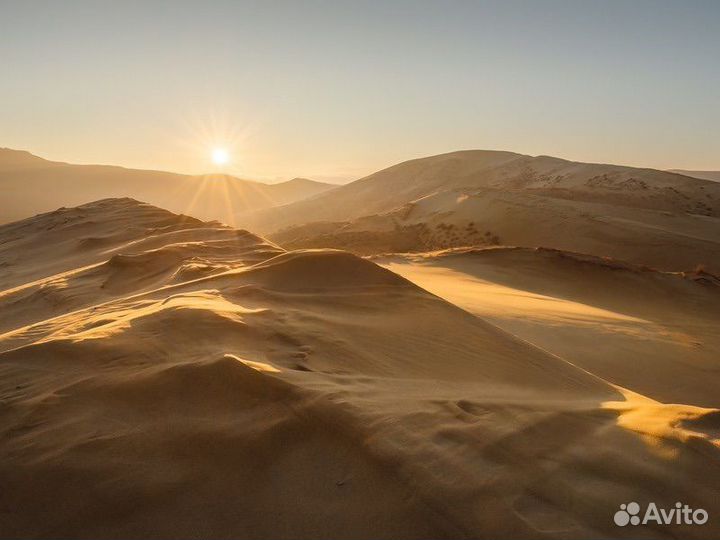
[{"x": 336, "y": 90}]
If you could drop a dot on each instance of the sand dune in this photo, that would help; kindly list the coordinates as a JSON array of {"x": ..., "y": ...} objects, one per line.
[
  {"x": 491, "y": 217},
  {"x": 400, "y": 184},
  {"x": 477, "y": 198},
  {"x": 30, "y": 185},
  {"x": 649, "y": 331},
  {"x": 167, "y": 377}
]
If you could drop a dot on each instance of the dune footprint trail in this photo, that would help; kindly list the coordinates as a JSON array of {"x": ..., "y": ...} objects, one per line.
[{"x": 166, "y": 377}]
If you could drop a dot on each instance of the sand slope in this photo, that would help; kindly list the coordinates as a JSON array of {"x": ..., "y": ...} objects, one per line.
[
  {"x": 395, "y": 186},
  {"x": 476, "y": 198},
  {"x": 165, "y": 377},
  {"x": 30, "y": 185},
  {"x": 653, "y": 238},
  {"x": 649, "y": 331}
]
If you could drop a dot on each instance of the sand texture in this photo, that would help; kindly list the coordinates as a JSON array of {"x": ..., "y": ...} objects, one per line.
[
  {"x": 648, "y": 217},
  {"x": 166, "y": 377}
]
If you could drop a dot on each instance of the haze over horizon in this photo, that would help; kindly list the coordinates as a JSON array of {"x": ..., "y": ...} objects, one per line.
[{"x": 335, "y": 91}]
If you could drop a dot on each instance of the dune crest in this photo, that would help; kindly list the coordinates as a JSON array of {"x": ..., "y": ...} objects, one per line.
[
  {"x": 481, "y": 198},
  {"x": 168, "y": 377},
  {"x": 645, "y": 330}
]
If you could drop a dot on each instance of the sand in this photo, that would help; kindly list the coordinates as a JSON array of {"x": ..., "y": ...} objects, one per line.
[
  {"x": 662, "y": 240},
  {"x": 652, "y": 332},
  {"x": 168, "y": 377},
  {"x": 477, "y": 198}
]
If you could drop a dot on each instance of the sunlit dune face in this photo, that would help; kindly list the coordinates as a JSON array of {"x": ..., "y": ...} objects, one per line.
[{"x": 220, "y": 156}]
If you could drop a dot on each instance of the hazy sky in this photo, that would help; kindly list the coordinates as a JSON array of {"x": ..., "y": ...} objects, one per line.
[{"x": 340, "y": 89}]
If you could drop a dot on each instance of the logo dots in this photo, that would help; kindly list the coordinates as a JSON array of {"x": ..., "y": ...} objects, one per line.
[{"x": 628, "y": 513}]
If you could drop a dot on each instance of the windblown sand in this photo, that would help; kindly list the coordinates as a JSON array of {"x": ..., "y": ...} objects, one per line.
[
  {"x": 653, "y": 332},
  {"x": 162, "y": 377}
]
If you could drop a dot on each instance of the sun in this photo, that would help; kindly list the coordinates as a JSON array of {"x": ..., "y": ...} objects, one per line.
[{"x": 220, "y": 156}]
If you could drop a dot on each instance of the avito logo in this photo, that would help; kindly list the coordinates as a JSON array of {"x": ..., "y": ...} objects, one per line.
[{"x": 681, "y": 514}]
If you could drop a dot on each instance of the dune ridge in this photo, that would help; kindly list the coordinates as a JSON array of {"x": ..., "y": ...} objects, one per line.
[
  {"x": 479, "y": 198},
  {"x": 646, "y": 330},
  {"x": 168, "y": 377},
  {"x": 390, "y": 188}
]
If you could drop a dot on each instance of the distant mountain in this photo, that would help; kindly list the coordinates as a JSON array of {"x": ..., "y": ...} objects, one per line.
[
  {"x": 297, "y": 189},
  {"x": 478, "y": 197},
  {"x": 30, "y": 185},
  {"x": 714, "y": 176}
]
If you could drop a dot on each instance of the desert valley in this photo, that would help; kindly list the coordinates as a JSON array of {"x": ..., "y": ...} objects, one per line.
[{"x": 477, "y": 344}]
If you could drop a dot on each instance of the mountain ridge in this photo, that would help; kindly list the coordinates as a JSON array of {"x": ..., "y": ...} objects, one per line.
[
  {"x": 30, "y": 184},
  {"x": 713, "y": 176}
]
